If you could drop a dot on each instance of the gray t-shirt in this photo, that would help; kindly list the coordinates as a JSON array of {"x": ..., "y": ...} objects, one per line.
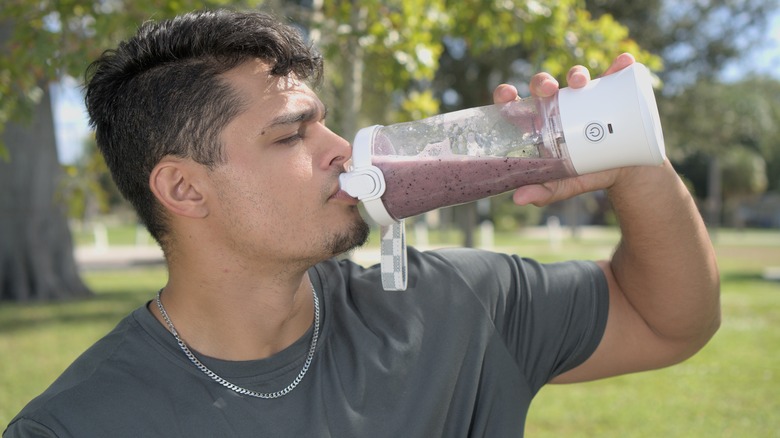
[{"x": 460, "y": 353}]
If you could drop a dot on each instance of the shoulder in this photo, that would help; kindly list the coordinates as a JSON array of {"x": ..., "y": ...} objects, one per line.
[
  {"x": 490, "y": 277},
  {"x": 80, "y": 391},
  {"x": 25, "y": 427},
  {"x": 456, "y": 275},
  {"x": 452, "y": 266},
  {"x": 424, "y": 267}
]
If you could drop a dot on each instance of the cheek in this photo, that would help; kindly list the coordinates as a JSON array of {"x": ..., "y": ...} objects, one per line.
[
  {"x": 293, "y": 183},
  {"x": 300, "y": 167},
  {"x": 291, "y": 165},
  {"x": 277, "y": 184},
  {"x": 284, "y": 194}
]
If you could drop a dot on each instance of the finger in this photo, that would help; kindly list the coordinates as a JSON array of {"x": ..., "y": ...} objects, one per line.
[
  {"x": 621, "y": 61},
  {"x": 536, "y": 194},
  {"x": 543, "y": 85},
  {"x": 504, "y": 93},
  {"x": 578, "y": 77}
]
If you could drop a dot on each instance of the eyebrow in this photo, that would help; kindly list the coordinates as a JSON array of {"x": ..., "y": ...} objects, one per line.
[{"x": 306, "y": 115}]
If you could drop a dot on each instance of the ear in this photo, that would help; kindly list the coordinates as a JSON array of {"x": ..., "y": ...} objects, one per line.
[{"x": 175, "y": 184}]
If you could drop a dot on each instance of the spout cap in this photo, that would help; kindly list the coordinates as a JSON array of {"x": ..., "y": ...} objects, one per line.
[{"x": 364, "y": 184}]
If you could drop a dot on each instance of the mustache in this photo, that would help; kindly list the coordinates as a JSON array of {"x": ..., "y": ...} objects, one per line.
[{"x": 330, "y": 190}]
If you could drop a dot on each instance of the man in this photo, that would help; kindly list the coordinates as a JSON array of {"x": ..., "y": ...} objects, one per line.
[{"x": 210, "y": 129}]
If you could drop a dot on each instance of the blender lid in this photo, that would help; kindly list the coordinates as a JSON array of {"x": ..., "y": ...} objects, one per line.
[{"x": 612, "y": 122}]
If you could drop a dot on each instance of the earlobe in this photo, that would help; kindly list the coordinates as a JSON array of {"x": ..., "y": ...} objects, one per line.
[{"x": 174, "y": 184}]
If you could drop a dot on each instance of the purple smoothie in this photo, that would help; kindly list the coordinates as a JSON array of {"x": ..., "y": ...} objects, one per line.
[{"x": 417, "y": 185}]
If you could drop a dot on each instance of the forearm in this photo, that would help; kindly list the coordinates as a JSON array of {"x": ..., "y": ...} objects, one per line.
[{"x": 665, "y": 264}]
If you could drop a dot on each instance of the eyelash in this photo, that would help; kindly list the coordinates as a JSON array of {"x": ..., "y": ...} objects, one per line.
[
  {"x": 291, "y": 139},
  {"x": 300, "y": 135}
]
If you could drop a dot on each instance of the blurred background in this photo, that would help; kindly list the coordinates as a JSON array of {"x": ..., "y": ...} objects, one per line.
[{"x": 74, "y": 259}]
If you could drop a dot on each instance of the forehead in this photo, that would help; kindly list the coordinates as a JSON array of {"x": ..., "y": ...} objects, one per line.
[{"x": 259, "y": 89}]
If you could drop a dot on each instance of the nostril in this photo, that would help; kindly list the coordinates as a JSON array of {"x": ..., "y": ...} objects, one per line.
[{"x": 339, "y": 161}]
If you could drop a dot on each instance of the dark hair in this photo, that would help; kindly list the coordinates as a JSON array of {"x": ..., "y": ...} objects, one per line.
[{"x": 160, "y": 93}]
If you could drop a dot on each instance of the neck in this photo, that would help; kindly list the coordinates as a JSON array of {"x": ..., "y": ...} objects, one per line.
[{"x": 235, "y": 314}]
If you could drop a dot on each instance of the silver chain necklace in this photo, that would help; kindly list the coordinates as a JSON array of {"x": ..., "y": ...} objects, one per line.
[{"x": 234, "y": 387}]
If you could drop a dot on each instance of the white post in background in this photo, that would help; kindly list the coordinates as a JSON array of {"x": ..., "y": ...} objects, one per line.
[
  {"x": 141, "y": 235},
  {"x": 100, "y": 232},
  {"x": 421, "y": 234},
  {"x": 554, "y": 232},
  {"x": 487, "y": 234}
]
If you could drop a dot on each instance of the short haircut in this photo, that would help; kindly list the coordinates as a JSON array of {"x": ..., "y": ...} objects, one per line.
[{"x": 162, "y": 93}]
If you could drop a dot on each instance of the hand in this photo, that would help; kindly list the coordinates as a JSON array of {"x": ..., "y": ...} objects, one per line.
[{"x": 542, "y": 84}]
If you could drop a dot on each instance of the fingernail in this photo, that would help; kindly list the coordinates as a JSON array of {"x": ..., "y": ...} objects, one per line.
[{"x": 578, "y": 78}]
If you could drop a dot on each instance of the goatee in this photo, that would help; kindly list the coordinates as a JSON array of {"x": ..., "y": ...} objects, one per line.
[{"x": 356, "y": 236}]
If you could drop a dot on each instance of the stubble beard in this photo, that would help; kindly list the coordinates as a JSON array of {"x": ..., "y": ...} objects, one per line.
[{"x": 350, "y": 239}]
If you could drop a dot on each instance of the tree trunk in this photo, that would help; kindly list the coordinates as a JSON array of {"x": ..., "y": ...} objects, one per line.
[
  {"x": 467, "y": 221},
  {"x": 353, "y": 73},
  {"x": 714, "y": 193},
  {"x": 36, "y": 249}
]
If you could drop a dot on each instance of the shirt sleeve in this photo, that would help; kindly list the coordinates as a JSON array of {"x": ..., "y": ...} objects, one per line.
[
  {"x": 24, "y": 428},
  {"x": 550, "y": 316}
]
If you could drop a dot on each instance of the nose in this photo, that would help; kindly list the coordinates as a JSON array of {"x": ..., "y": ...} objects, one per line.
[{"x": 338, "y": 151}]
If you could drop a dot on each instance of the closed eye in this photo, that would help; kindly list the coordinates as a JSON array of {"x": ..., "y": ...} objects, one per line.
[
  {"x": 303, "y": 119},
  {"x": 291, "y": 139}
]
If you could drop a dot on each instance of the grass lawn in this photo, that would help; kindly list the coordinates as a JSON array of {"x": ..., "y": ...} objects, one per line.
[{"x": 730, "y": 389}]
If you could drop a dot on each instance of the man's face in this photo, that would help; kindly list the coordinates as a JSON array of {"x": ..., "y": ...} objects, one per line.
[{"x": 277, "y": 192}]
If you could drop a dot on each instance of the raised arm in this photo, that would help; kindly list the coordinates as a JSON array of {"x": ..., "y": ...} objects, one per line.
[{"x": 663, "y": 277}]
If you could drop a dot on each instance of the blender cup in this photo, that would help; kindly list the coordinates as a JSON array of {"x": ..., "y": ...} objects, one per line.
[{"x": 405, "y": 169}]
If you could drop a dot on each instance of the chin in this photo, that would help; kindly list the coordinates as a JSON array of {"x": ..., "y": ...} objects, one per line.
[{"x": 355, "y": 236}]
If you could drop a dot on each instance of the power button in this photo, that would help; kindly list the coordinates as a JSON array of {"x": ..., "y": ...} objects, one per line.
[{"x": 594, "y": 132}]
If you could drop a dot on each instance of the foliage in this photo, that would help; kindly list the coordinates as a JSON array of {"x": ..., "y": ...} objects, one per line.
[
  {"x": 722, "y": 136},
  {"x": 403, "y": 42},
  {"x": 744, "y": 173},
  {"x": 391, "y": 44},
  {"x": 87, "y": 187},
  {"x": 694, "y": 39},
  {"x": 390, "y": 61},
  {"x": 508, "y": 217},
  {"x": 45, "y": 40},
  {"x": 738, "y": 122}
]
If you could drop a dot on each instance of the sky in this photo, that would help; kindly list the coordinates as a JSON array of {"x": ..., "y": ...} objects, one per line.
[
  {"x": 71, "y": 121},
  {"x": 765, "y": 59}
]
